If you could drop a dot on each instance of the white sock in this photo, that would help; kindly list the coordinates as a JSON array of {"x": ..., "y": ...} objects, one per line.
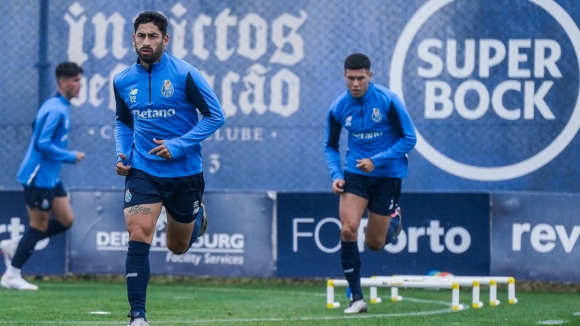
[{"x": 13, "y": 271}]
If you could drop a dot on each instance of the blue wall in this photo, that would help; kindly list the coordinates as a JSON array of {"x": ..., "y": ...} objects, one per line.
[{"x": 492, "y": 86}]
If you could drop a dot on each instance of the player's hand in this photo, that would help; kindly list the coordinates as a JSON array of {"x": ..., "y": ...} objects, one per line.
[
  {"x": 80, "y": 157},
  {"x": 161, "y": 150},
  {"x": 365, "y": 165},
  {"x": 121, "y": 168},
  {"x": 338, "y": 186}
]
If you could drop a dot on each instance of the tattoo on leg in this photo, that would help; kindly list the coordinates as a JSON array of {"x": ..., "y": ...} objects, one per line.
[{"x": 135, "y": 210}]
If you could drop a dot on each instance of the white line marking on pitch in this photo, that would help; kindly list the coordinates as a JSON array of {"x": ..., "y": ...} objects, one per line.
[
  {"x": 253, "y": 291},
  {"x": 254, "y": 320},
  {"x": 552, "y": 322}
]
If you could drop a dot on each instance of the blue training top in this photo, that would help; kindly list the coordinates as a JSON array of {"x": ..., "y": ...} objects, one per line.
[
  {"x": 379, "y": 127},
  {"x": 47, "y": 149},
  {"x": 161, "y": 103}
]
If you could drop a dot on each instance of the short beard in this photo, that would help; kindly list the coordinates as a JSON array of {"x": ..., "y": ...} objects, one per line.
[{"x": 150, "y": 59}]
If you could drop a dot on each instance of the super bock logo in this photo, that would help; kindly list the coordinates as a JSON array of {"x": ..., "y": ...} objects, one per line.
[{"x": 492, "y": 102}]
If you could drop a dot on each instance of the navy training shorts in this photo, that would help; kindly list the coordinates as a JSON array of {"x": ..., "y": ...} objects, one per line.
[
  {"x": 42, "y": 198},
  {"x": 382, "y": 192},
  {"x": 181, "y": 196}
]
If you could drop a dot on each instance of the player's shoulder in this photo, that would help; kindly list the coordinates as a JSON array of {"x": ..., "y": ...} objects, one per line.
[
  {"x": 385, "y": 94},
  {"x": 57, "y": 101},
  {"x": 56, "y": 105},
  {"x": 123, "y": 74},
  {"x": 341, "y": 100},
  {"x": 181, "y": 65},
  {"x": 51, "y": 101},
  {"x": 382, "y": 90}
]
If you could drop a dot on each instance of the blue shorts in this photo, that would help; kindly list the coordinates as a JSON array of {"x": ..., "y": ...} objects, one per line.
[
  {"x": 181, "y": 196},
  {"x": 42, "y": 198},
  {"x": 382, "y": 192}
]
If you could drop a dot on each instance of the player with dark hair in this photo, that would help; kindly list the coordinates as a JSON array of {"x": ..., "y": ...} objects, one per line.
[
  {"x": 39, "y": 172},
  {"x": 159, "y": 137},
  {"x": 380, "y": 134}
]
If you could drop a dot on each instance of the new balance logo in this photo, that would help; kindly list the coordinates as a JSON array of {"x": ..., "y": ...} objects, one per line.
[{"x": 132, "y": 275}]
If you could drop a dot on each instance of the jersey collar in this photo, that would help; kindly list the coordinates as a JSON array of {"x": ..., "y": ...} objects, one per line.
[
  {"x": 155, "y": 66},
  {"x": 367, "y": 94},
  {"x": 61, "y": 97}
]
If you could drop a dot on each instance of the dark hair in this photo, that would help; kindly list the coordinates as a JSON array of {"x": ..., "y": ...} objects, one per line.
[
  {"x": 357, "y": 61},
  {"x": 152, "y": 17},
  {"x": 68, "y": 69}
]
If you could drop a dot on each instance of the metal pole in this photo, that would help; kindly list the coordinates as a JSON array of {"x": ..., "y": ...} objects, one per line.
[{"x": 43, "y": 65}]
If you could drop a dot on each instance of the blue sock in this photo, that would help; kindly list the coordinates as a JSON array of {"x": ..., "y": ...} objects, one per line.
[
  {"x": 391, "y": 232},
  {"x": 137, "y": 276},
  {"x": 351, "y": 266},
  {"x": 26, "y": 246},
  {"x": 137, "y": 313},
  {"x": 55, "y": 227},
  {"x": 196, "y": 226}
]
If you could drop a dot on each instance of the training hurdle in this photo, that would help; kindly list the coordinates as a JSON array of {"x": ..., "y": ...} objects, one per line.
[
  {"x": 474, "y": 284},
  {"x": 470, "y": 281},
  {"x": 394, "y": 283}
]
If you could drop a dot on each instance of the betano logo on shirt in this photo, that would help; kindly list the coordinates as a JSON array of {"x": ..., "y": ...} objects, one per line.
[
  {"x": 501, "y": 76},
  {"x": 152, "y": 114},
  {"x": 367, "y": 135}
]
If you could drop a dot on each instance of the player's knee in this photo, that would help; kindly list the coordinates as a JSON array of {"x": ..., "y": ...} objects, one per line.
[
  {"x": 67, "y": 224},
  {"x": 346, "y": 234},
  {"x": 138, "y": 233},
  {"x": 178, "y": 251},
  {"x": 374, "y": 245},
  {"x": 177, "y": 247}
]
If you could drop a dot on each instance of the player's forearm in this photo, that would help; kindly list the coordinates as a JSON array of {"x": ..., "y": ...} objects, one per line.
[
  {"x": 124, "y": 137},
  {"x": 206, "y": 127}
]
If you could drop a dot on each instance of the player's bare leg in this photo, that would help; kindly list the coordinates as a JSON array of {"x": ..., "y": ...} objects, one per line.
[
  {"x": 376, "y": 232},
  {"x": 178, "y": 235}
]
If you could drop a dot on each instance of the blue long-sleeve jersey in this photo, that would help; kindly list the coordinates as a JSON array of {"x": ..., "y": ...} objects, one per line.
[
  {"x": 379, "y": 127},
  {"x": 161, "y": 103},
  {"x": 47, "y": 148}
]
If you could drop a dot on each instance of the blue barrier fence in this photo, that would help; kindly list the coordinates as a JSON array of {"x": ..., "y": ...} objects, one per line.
[{"x": 298, "y": 235}]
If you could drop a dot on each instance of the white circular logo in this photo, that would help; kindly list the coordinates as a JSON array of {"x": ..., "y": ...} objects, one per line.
[{"x": 475, "y": 172}]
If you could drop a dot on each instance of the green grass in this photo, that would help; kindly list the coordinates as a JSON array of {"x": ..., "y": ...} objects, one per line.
[{"x": 268, "y": 302}]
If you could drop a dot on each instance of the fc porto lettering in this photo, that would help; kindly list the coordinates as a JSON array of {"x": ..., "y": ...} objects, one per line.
[
  {"x": 499, "y": 79},
  {"x": 456, "y": 240}
]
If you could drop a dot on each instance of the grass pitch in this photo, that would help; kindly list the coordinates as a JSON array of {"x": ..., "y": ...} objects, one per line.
[{"x": 173, "y": 301}]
